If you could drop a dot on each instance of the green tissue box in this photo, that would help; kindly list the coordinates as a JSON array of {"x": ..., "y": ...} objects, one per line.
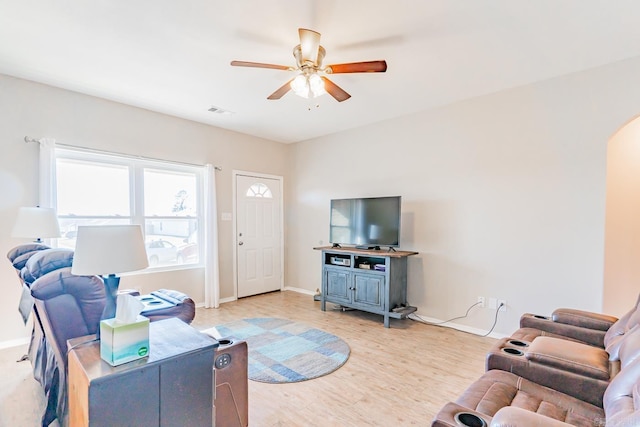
[{"x": 124, "y": 342}]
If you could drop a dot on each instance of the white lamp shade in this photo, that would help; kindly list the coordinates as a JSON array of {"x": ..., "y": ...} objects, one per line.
[
  {"x": 109, "y": 249},
  {"x": 36, "y": 222}
]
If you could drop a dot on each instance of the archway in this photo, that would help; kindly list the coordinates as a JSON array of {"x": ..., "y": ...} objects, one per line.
[{"x": 622, "y": 223}]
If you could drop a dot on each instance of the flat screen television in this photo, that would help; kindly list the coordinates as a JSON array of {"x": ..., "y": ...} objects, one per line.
[{"x": 365, "y": 222}]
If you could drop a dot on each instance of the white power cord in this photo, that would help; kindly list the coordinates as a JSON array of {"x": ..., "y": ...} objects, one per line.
[{"x": 417, "y": 318}]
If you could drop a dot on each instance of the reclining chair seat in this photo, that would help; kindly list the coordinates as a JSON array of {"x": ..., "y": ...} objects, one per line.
[
  {"x": 621, "y": 405},
  {"x": 499, "y": 389},
  {"x": 567, "y": 366}
]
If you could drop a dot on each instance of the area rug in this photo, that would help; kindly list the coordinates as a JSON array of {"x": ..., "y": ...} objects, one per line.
[{"x": 282, "y": 351}]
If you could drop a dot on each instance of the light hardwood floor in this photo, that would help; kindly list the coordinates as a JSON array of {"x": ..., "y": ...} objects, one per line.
[{"x": 399, "y": 376}]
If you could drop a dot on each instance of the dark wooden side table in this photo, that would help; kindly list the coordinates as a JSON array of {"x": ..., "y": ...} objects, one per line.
[{"x": 173, "y": 386}]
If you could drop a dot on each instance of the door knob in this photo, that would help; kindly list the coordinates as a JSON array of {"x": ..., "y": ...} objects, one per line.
[{"x": 240, "y": 243}]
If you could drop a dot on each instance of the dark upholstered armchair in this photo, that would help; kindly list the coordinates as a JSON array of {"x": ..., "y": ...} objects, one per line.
[{"x": 67, "y": 306}]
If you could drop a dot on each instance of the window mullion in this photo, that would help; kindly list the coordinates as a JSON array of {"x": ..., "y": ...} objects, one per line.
[{"x": 137, "y": 195}]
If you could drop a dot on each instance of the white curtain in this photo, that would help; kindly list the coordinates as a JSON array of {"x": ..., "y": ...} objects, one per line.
[
  {"x": 47, "y": 180},
  {"x": 211, "y": 268}
]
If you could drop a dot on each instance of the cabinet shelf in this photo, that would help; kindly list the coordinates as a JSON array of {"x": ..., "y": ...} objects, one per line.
[{"x": 347, "y": 282}]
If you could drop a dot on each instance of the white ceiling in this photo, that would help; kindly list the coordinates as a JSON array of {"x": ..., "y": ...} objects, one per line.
[{"x": 173, "y": 56}]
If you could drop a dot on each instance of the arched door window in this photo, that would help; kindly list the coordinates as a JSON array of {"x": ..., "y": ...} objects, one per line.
[{"x": 259, "y": 190}]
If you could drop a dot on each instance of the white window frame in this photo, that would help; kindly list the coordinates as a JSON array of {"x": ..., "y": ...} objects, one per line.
[{"x": 136, "y": 168}]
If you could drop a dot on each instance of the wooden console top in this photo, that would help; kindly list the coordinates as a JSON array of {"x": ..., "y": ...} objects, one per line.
[{"x": 369, "y": 252}]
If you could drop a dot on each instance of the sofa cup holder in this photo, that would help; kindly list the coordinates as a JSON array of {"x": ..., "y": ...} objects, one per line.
[
  {"x": 467, "y": 419},
  {"x": 537, "y": 316},
  {"x": 518, "y": 343},
  {"x": 512, "y": 351}
]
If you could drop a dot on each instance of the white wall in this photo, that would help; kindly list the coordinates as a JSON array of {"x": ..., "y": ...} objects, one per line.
[
  {"x": 622, "y": 237},
  {"x": 503, "y": 195},
  {"x": 28, "y": 108}
]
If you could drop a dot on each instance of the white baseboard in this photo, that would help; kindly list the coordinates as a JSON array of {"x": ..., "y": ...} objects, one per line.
[
  {"x": 463, "y": 328},
  {"x": 13, "y": 343},
  {"x": 286, "y": 288},
  {"x": 299, "y": 290},
  {"x": 222, "y": 301}
]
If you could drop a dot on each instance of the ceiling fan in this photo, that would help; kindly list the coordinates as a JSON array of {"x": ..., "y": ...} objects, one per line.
[{"x": 311, "y": 80}]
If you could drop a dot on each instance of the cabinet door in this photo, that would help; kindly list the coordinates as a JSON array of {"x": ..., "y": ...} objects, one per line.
[
  {"x": 369, "y": 290},
  {"x": 338, "y": 284}
]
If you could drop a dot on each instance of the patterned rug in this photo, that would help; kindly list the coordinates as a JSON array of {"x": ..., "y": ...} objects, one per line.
[{"x": 282, "y": 351}]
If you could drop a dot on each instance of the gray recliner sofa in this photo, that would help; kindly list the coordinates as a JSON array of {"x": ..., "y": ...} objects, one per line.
[{"x": 501, "y": 398}]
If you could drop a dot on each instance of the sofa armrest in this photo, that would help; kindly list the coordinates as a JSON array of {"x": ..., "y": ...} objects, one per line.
[
  {"x": 541, "y": 363},
  {"x": 512, "y": 416},
  {"x": 184, "y": 308},
  {"x": 446, "y": 417},
  {"x": 590, "y": 336},
  {"x": 584, "y": 319}
]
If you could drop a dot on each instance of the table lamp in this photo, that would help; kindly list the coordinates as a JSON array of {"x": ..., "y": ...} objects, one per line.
[
  {"x": 36, "y": 223},
  {"x": 108, "y": 250}
]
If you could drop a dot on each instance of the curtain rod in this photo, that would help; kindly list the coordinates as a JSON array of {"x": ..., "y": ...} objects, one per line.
[{"x": 28, "y": 139}]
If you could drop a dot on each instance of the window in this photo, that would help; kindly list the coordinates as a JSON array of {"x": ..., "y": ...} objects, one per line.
[
  {"x": 259, "y": 190},
  {"x": 100, "y": 189}
]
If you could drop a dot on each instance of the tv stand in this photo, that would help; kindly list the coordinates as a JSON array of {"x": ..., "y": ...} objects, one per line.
[{"x": 367, "y": 280}]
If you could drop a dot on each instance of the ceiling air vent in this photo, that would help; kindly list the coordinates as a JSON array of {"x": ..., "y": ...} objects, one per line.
[{"x": 218, "y": 110}]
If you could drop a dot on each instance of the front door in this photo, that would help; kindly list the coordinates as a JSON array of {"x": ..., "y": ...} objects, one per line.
[{"x": 258, "y": 235}]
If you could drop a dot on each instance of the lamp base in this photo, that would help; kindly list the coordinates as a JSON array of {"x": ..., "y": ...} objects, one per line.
[{"x": 111, "y": 283}]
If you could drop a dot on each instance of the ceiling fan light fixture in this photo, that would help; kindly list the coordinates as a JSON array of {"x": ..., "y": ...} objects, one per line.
[
  {"x": 299, "y": 86},
  {"x": 311, "y": 81},
  {"x": 309, "y": 86},
  {"x": 316, "y": 85}
]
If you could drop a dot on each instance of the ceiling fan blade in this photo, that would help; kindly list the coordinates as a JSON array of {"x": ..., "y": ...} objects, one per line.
[
  {"x": 258, "y": 65},
  {"x": 282, "y": 90},
  {"x": 309, "y": 44},
  {"x": 334, "y": 90},
  {"x": 358, "y": 67}
]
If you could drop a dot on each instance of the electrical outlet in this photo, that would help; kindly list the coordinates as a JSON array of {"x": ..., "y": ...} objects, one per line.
[
  {"x": 481, "y": 302},
  {"x": 502, "y": 304}
]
